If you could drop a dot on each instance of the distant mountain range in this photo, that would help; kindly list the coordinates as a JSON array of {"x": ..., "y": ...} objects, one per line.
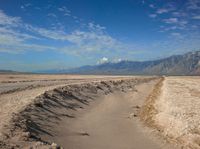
[
  {"x": 186, "y": 64},
  {"x": 7, "y": 71}
]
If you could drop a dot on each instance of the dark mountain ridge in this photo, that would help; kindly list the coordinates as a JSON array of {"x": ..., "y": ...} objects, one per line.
[{"x": 186, "y": 64}]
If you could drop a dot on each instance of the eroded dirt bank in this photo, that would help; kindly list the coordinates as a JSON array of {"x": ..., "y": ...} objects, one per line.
[
  {"x": 60, "y": 113},
  {"x": 172, "y": 110},
  {"x": 18, "y": 91},
  {"x": 110, "y": 122}
]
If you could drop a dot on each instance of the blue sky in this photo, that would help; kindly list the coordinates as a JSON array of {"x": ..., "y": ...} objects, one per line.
[{"x": 58, "y": 34}]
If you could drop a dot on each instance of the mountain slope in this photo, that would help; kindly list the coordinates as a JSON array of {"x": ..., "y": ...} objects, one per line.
[
  {"x": 7, "y": 71},
  {"x": 186, "y": 64}
]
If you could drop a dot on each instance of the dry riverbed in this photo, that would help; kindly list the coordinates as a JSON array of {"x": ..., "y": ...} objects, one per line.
[
  {"x": 95, "y": 112},
  {"x": 37, "y": 116}
]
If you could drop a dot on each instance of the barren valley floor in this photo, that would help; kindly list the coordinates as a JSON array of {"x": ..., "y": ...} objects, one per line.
[{"x": 87, "y": 112}]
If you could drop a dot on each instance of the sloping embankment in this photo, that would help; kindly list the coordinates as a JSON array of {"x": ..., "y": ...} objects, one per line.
[
  {"x": 148, "y": 110},
  {"x": 172, "y": 109},
  {"x": 39, "y": 118}
]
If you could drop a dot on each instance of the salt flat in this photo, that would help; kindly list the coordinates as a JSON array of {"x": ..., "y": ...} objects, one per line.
[
  {"x": 46, "y": 111},
  {"x": 178, "y": 111},
  {"x": 172, "y": 110},
  {"x": 22, "y": 93}
]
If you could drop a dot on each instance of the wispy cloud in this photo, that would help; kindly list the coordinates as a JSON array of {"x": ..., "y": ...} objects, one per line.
[
  {"x": 22, "y": 7},
  {"x": 25, "y": 6},
  {"x": 181, "y": 19},
  {"x": 84, "y": 43},
  {"x": 162, "y": 10},
  {"x": 179, "y": 14},
  {"x": 171, "y": 20},
  {"x": 65, "y": 11},
  {"x": 175, "y": 17},
  {"x": 93, "y": 26},
  {"x": 152, "y": 6},
  {"x": 180, "y": 22},
  {"x": 176, "y": 34},
  {"x": 28, "y": 5},
  {"x": 7, "y": 20},
  {"x": 52, "y": 15},
  {"x": 37, "y": 8},
  {"x": 15, "y": 37},
  {"x": 12, "y": 40},
  {"x": 193, "y": 4},
  {"x": 152, "y": 15},
  {"x": 103, "y": 60},
  {"x": 197, "y": 17},
  {"x": 168, "y": 7}
]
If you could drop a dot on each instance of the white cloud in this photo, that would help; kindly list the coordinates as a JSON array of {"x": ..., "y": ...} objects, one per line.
[
  {"x": 22, "y": 7},
  {"x": 153, "y": 15},
  {"x": 75, "y": 17},
  {"x": 65, "y": 11},
  {"x": 171, "y": 20},
  {"x": 22, "y": 47},
  {"x": 179, "y": 14},
  {"x": 143, "y": 2},
  {"x": 94, "y": 40},
  {"x": 96, "y": 27},
  {"x": 6, "y": 29},
  {"x": 180, "y": 17},
  {"x": 62, "y": 8},
  {"x": 151, "y": 6},
  {"x": 14, "y": 42},
  {"x": 170, "y": 28},
  {"x": 27, "y": 5},
  {"x": 175, "y": 24},
  {"x": 67, "y": 14},
  {"x": 103, "y": 60},
  {"x": 52, "y": 15},
  {"x": 194, "y": 26},
  {"x": 7, "y": 20},
  {"x": 175, "y": 34},
  {"x": 196, "y": 17},
  {"x": 52, "y": 34},
  {"x": 193, "y": 4},
  {"x": 162, "y": 10},
  {"x": 12, "y": 39},
  {"x": 15, "y": 36},
  {"x": 117, "y": 60},
  {"x": 182, "y": 22},
  {"x": 86, "y": 43},
  {"x": 38, "y": 8}
]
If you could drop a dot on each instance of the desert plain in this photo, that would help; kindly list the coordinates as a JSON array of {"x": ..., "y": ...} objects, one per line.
[{"x": 99, "y": 112}]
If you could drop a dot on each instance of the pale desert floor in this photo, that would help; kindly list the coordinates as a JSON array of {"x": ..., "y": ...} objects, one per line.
[
  {"x": 95, "y": 112},
  {"x": 178, "y": 111}
]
